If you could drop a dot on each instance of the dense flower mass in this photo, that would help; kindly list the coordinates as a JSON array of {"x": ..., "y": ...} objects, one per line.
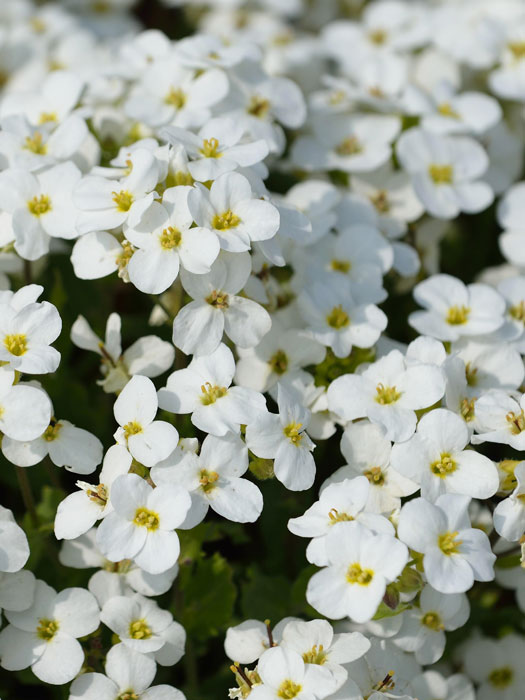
[{"x": 262, "y": 297}]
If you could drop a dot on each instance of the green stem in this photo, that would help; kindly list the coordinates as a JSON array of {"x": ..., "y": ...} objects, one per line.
[{"x": 27, "y": 494}]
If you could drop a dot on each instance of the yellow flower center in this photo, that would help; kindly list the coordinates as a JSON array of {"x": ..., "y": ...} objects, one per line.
[
  {"x": 338, "y": 318},
  {"x": 46, "y": 117},
  {"x": 444, "y": 466},
  {"x": 123, "y": 200},
  {"x": 52, "y": 431},
  {"x": 258, "y": 106},
  {"x": 356, "y": 574},
  {"x": 293, "y": 433},
  {"x": 146, "y": 518},
  {"x": 139, "y": 629},
  {"x": 128, "y": 695},
  {"x": 446, "y": 110},
  {"x": 225, "y": 220},
  {"x": 218, "y": 299},
  {"x": 279, "y": 362},
  {"x": 471, "y": 373},
  {"x": 380, "y": 201},
  {"x": 517, "y": 49},
  {"x": 386, "y": 394},
  {"x": 501, "y": 677},
  {"x": 176, "y": 179},
  {"x": 349, "y": 146},
  {"x": 35, "y": 144},
  {"x": 288, "y": 689},
  {"x": 340, "y": 266},
  {"x": 448, "y": 543},
  {"x": 98, "y": 495},
  {"x": 207, "y": 480},
  {"x": 125, "y": 256},
  {"x": 441, "y": 174},
  {"x": 316, "y": 655},
  {"x": 132, "y": 428},
  {"x": 517, "y": 311},
  {"x": 16, "y": 344},
  {"x": 39, "y": 205},
  {"x": 337, "y": 517},
  {"x": 378, "y": 36},
  {"x": 210, "y": 393},
  {"x": 176, "y": 98},
  {"x": 432, "y": 620},
  {"x": 516, "y": 422},
  {"x": 46, "y": 629},
  {"x": 467, "y": 409},
  {"x": 210, "y": 148},
  {"x": 170, "y": 238},
  {"x": 375, "y": 476},
  {"x": 457, "y": 315}
]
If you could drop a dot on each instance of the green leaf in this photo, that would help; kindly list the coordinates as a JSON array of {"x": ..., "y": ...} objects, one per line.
[{"x": 265, "y": 597}]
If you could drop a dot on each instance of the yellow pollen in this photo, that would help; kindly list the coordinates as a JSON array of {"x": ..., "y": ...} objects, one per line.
[
  {"x": 218, "y": 299},
  {"x": 501, "y": 677},
  {"x": 349, "y": 146},
  {"x": 210, "y": 393},
  {"x": 337, "y": 318},
  {"x": 441, "y": 174},
  {"x": 293, "y": 433},
  {"x": 446, "y": 110},
  {"x": 125, "y": 256},
  {"x": 457, "y": 315},
  {"x": 375, "y": 476},
  {"x": 517, "y": 312},
  {"x": 225, "y": 220},
  {"x": 258, "y": 106},
  {"x": 279, "y": 362},
  {"x": 139, "y": 629},
  {"x": 132, "y": 428},
  {"x": 176, "y": 98},
  {"x": 448, "y": 543},
  {"x": 337, "y": 517},
  {"x": 207, "y": 480},
  {"x": 444, "y": 466},
  {"x": 467, "y": 409},
  {"x": 146, "y": 518},
  {"x": 35, "y": 144},
  {"x": 340, "y": 265},
  {"x": 128, "y": 695},
  {"x": 432, "y": 620},
  {"x": 356, "y": 574},
  {"x": 516, "y": 422},
  {"x": 471, "y": 373},
  {"x": 39, "y": 205},
  {"x": 52, "y": 431},
  {"x": 170, "y": 238},
  {"x": 46, "y": 117},
  {"x": 517, "y": 49},
  {"x": 378, "y": 36},
  {"x": 380, "y": 201},
  {"x": 387, "y": 394},
  {"x": 316, "y": 655},
  {"x": 16, "y": 344},
  {"x": 46, "y": 629},
  {"x": 98, "y": 495},
  {"x": 288, "y": 690},
  {"x": 123, "y": 200},
  {"x": 210, "y": 148}
]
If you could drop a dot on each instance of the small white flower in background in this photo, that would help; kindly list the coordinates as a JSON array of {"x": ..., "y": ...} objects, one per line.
[
  {"x": 454, "y": 554},
  {"x": 149, "y": 441},
  {"x": 436, "y": 459},
  {"x": 496, "y": 665},
  {"x": 388, "y": 393},
  {"x": 247, "y": 641},
  {"x": 283, "y": 438},
  {"x": 431, "y": 685},
  {"x": 454, "y": 309},
  {"x": 445, "y": 172},
  {"x": 25, "y": 410},
  {"x": 45, "y": 635},
  {"x": 500, "y": 419},
  {"x": 212, "y": 478},
  {"x": 128, "y": 673},
  {"x": 149, "y": 355},
  {"x": 360, "y": 565},
  {"x": 79, "y": 511},
  {"x": 218, "y": 307},
  {"x": 14, "y": 548},
  {"x": 203, "y": 389},
  {"x": 165, "y": 239},
  {"x": 141, "y": 525}
]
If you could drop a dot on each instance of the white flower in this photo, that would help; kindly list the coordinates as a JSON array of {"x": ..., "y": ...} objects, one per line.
[
  {"x": 17, "y": 590},
  {"x": 431, "y": 685},
  {"x": 509, "y": 514},
  {"x": 14, "y": 548},
  {"x": 203, "y": 389},
  {"x": 165, "y": 239},
  {"x": 25, "y": 411},
  {"x": 360, "y": 564},
  {"x": 497, "y": 665},
  {"x": 128, "y": 673},
  {"x": 141, "y": 525},
  {"x": 230, "y": 210},
  {"x": 436, "y": 458},
  {"x": 454, "y": 553},
  {"x": 388, "y": 392},
  {"x": 283, "y": 438},
  {"x": 218, "y": 307},
  {"x": 212, "y": 479},
  {"x": 453, "y": 309},
  {"x": 500, "y": 418},
  {"x": 45, "y": 635},
  {"x": 149, "y": 441},
  {"x": 445, "y": 172}
]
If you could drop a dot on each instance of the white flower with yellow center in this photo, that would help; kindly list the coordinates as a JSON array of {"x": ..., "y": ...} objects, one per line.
[
  {"x": 203, "y": 389},
  {"x": 138, "y": 621},
  {"x": 496, "y": 665},
  {"x": 445, "y": 172},
  {"x": 509, "y": 514},
  {"x": 283, "y": 438},
  {"x": 454, "y": 554},
  {"x": 141, "y": 525},
  {"x": 149, "y": 441},
  {"x": 360, "y": 565},
  {"x": 45, "y": 635},
  {"x": 500, "y": 418}
]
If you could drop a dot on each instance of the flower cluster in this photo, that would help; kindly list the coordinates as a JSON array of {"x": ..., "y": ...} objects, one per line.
[{"x": 279, "y": 198}]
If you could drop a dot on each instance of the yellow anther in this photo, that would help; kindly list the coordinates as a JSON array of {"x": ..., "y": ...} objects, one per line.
[
  {"x": 16, "y": 344},
  {"x": 441, "y": 174},
  {"x": 225, "y": 220},
  {"x": 39, "y": 205},
  {"x": 386, "y": 394},
  {"x": 146, "y": 518},
  {"x": 356, "y": 574}
]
